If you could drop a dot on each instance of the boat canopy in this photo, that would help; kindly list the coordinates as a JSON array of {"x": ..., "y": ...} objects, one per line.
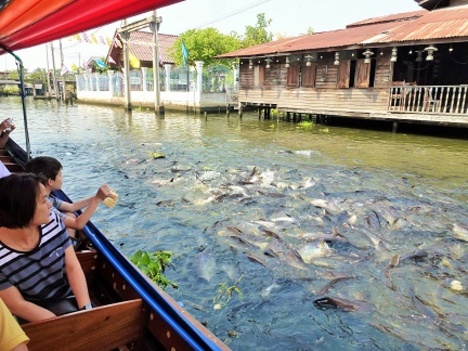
[{"x": 26, "y": 23}]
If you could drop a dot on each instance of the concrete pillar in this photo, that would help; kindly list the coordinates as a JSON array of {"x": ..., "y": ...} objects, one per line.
[
  {"x": 97, "y": 75},
  {"x": 198, "y": 93},
  {"x": 78, "y": 85},
  {"x": 168, "y": 67},
  {"x": 144, "y": 72},
  {"x": 86, "y": 79},
  {"x": 110, "y": 74},
  {"x": 235, "y": 72},
  {"x": 126, "y": 54}
]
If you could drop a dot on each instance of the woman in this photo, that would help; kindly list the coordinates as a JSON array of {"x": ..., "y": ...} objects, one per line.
[{"x": 40, "y": 276}]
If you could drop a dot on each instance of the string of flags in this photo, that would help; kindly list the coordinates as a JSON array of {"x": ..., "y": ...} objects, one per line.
[
  {"x": 92, "y": 39},
  {"x": 105, "y": 40}
]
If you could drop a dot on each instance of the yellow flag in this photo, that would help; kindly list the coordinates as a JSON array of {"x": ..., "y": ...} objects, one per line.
[{"x": 134, "y": 62}]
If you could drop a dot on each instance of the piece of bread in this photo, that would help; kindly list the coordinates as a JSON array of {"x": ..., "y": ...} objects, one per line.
[{"x": 111, "y": 200}]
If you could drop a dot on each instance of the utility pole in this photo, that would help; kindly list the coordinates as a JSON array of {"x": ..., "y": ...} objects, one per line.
[
  {"x": 124, "y": 32},
  {"x": 154, "y": 26},
  {"x": 47, "y": 71},
  {"x": 61, "y": 71},
  {"x": 53, "y": 70},
  {"x": 125, "y": 35}
]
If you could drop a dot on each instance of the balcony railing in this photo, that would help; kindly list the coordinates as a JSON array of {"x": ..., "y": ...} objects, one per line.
[{"x": 443, "y": 99}]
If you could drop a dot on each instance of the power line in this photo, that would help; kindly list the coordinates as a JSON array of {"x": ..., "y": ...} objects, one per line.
[{"x": 236, "y": 12}]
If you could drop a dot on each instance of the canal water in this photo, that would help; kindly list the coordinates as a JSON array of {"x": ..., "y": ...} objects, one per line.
[{"x": 284, "y": 236}]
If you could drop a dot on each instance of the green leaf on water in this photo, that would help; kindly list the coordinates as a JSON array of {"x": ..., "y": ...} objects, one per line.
[{"x": 153, "y": 266}]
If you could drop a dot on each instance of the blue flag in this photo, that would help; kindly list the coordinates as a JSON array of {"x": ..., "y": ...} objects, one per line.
[
  {"x": 185, "y": 53},
  {"x": 100, "y": 63}
]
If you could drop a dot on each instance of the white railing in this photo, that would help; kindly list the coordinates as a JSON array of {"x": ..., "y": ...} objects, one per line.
[{"x": 440, "y": 99}]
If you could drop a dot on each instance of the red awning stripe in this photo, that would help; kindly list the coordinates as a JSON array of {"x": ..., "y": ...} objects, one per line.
[{"x": 32, "y": 25}]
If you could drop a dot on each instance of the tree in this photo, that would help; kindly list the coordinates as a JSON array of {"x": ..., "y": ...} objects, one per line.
[
  {"x": 203, "y": 45},
  {"x": 37, "y": 75},
  {"x": 258, "y": 34},
  {"x": 309, "y": 31}
]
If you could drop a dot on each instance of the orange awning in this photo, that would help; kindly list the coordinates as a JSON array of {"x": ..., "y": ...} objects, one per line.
[{"x": 26, "y": 23}]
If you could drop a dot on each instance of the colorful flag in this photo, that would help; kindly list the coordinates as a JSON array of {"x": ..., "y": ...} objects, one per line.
[
  {"x": 134, "y": 62},
  {"x": 100, "y": 63},
  {"x": 185, "y": 53},
  {"x": 64, "y": 70}
]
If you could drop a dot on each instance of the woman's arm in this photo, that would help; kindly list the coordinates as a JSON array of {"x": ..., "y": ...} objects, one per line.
[
  {"x": 4, "y": 136},
  {"x": 6, "y": 127},
  {"x": 22, "y": 308},
  {"x": 76, "y": 278}
]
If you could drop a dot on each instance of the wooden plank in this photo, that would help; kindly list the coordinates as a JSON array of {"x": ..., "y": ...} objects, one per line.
[
  {"x": 102, "y": 328},
  {"x": 88, "y": 262},
  {"x": 6, "y": 158}
]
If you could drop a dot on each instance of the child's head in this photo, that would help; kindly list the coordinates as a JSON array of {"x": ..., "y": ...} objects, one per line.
[{"x": 49, "y": 169}]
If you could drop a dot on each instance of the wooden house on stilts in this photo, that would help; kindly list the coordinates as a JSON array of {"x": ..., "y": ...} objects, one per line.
[{"x": 404, "y": 68}]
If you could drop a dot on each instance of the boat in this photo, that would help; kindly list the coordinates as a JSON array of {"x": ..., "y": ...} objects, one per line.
[{"x": 131, "y": 312}]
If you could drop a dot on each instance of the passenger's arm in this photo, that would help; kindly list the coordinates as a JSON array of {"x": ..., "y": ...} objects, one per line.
[
  {"x": 22, "y": 308},
  {"x": 76, "y": 278},
  {"x": 4, "y": 138},
  {"x": 80, "y": 221},
  {"x": 75, "y": 206}
]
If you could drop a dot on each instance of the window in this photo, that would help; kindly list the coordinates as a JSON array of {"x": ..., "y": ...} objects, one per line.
[
  {"x": 343, "y": 75},
  {"x": 293, "y": 76},
  {"x": 258, "y": 76},
  {"x": 365, "y": 74},
  {"x": 308, "y": 75}
]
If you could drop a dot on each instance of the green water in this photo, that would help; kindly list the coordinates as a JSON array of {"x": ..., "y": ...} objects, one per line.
[{"x": 234, "y": 199}]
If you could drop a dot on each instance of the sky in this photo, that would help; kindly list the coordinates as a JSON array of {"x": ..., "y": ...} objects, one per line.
[{"x": 288, "y": 18}]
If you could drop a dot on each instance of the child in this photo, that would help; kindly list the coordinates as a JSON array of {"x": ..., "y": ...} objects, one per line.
[{"x": 50, "y": 171}]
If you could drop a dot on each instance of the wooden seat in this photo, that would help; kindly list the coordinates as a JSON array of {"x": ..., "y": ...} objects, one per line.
[{"x": 102, "y": 328}]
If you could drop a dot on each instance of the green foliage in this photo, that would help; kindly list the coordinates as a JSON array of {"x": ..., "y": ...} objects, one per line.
[
  {"x": 203, "y": 45},
  {"x": 153, "y": 265},
  {"x": 225, "y": 292},
  {"x": 309, "y": 31},
  {"x": 305, "y": 125},
  {"x": 274, "y": 113},
  {"x": 11, "y": 91},
  {"x": 37, "y": 75},
  {"x": 13, "y": 74},
  {"x": 258, "y": 34}
]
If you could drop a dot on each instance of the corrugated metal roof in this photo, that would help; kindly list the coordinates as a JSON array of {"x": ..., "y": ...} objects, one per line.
[
  {"x": 141, "y": 45},
  {"x": 398, "y": 17},
  {"x": 413, "y": 26}
]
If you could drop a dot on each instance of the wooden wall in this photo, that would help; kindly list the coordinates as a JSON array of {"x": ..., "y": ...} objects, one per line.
[{"x": 325, "y": 96}]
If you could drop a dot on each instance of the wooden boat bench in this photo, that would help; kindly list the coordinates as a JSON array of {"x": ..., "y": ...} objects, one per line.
[
  {"x": 9, "y": 162},
  {"x": 102, "y": 328}
]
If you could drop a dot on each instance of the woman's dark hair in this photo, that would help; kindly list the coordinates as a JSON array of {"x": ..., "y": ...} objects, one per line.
[
  {"x": 18, "y": 196},
  {"x": 44, "y": 166}
]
